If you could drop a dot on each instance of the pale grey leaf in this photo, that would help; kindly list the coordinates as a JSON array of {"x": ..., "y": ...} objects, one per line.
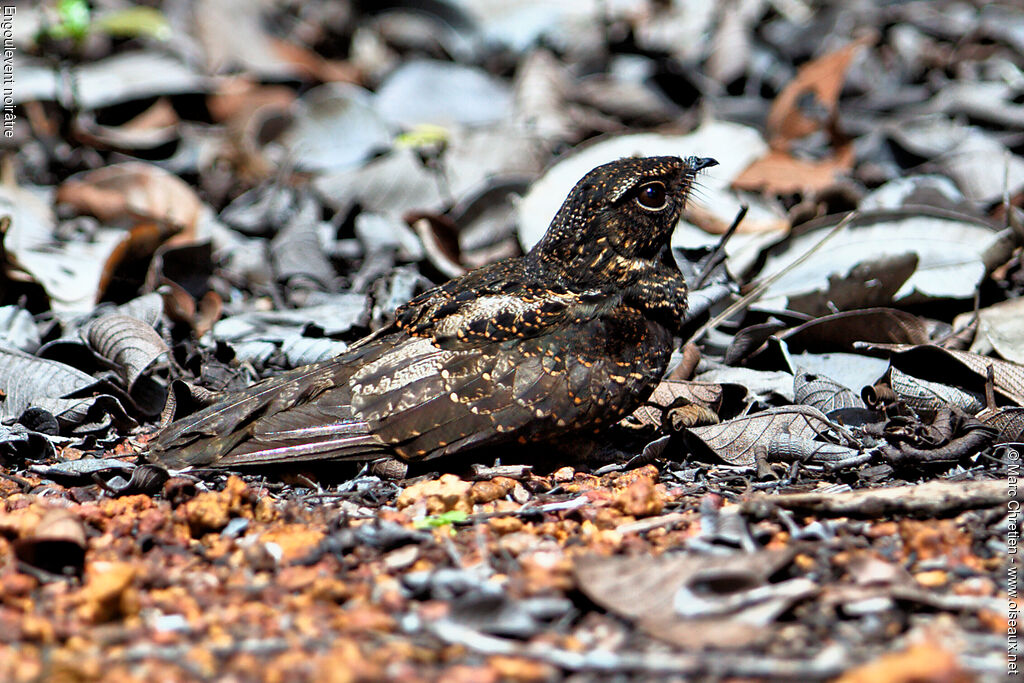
[
  {"x": 296, "y": 251},
  {"x": 18, "y": 442},
  {"x": 763, "y": 384},
  {"x": 949, "y": 254},
  {"x": 983, "y": 167},
  {"x": 334, "y": 317},
  {"x": 443, "y": 94},
  {"x": 392, "y": 184},
  {"x": 70, "y": 270},
  {"x": 789, "y": 448},
  {"x": 134, "y": 75},
  {"x": 299, "y": 350},
  {"x": 18, "y": 330},
  {"x": 131, "y": 75},
  {"x": 849, "y": 369},
  {"x": 922, "y": 394},
  {"x": 1000, "y": 329},
  {"x": 26, "y": 381},
  {"x": 335, "y": 126},
  {"x": 149, "y": 308}
]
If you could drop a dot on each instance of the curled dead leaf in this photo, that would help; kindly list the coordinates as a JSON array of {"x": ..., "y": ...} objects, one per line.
[
  {"x": 671, "y": 394},
  {"x": 440, "y": 240},
  {"x": 1009, "y": 422},
  {"x": 127, "y": 342}
]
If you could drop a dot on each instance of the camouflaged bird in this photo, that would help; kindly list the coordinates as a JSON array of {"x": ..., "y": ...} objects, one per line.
[{"x": 560, "y": 342}]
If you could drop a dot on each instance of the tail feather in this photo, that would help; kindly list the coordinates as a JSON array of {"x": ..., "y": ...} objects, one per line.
[
  {"x": 342, "y": 447},
  {"x": 270, "y": 421}
]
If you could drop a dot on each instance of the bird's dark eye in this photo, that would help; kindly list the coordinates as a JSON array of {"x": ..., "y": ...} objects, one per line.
[{"x": 652, "y": 196}]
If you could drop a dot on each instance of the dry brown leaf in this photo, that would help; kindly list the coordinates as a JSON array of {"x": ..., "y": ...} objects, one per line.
[
  {"x": 822, "y": 77},
  {"x": 178, "y": 303},
  {"x": 160, "y": 115},
  {"x": 135, "y": 190},
  {"x": 440, "y": 239},
  {"x": 57, "y": 544},
  {"x": 157, "y": 125},
  {"x": 779, "y": 173},
  {"x": 211, "y": 306},
  {"x": 237, "y": 98},
  {"x": 141, "y": 242}
]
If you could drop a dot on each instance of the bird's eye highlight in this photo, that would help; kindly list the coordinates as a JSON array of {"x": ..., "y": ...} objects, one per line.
[{"x": 652, "y": 196}]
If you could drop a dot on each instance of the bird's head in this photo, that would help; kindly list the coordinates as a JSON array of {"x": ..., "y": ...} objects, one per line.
[{"x": 623, "y": 212}]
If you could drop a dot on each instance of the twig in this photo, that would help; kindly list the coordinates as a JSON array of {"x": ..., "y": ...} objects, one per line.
[
  {"x": 644, "y": 525},
  {"x": 25, "y": 484},
  {"x": 483, "y": 473},
  {"x": 718, "y": 255},
  {"x": 929, "y": 499},
  {"x": 756, "y": 293}
]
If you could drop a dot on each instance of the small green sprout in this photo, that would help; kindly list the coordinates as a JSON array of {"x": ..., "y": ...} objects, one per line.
[
  {"x": 441, "y": 520},
  {"x": 74, "y": 18}
]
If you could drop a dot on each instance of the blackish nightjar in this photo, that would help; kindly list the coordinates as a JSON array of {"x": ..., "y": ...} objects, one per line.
[{"x": 563, "y": 341}]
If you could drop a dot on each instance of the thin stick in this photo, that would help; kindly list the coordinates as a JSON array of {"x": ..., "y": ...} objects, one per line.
[
  {"x": 756, "y": 293},
  {"x": 719, "y": 254}
]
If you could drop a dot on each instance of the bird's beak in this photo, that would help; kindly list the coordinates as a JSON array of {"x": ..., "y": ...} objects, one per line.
[{"x": 699, "y": 164}]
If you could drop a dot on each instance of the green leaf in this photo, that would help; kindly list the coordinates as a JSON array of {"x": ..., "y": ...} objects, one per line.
[
  {"x": 133, "y": 22},
  {"x": 444, "y": 519}
]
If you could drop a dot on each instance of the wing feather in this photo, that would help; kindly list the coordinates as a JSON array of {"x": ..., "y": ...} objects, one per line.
[{"x": 455, "y": 372}]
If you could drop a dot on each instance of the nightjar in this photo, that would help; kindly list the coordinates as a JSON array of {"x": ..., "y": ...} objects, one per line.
[{"x": 561, "y": 342}]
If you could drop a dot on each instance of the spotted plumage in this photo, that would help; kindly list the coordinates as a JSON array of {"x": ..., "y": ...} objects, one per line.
[{"x": 567, "y": 339}]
